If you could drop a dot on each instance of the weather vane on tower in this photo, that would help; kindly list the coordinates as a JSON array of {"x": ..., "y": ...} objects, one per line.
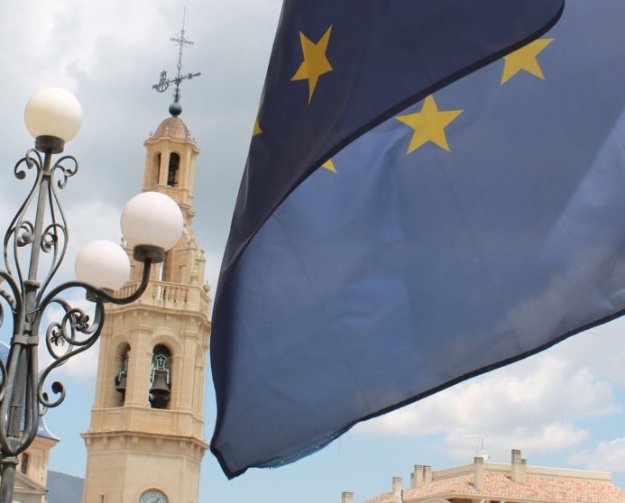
[{"x": 163, "y": 84}]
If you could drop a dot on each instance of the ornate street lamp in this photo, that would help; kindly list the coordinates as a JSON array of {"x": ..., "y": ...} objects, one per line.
[{"x": 34, "y": 247}]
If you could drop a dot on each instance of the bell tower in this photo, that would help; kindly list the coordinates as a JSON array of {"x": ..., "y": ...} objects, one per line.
[{"x": 145, "y": 441}]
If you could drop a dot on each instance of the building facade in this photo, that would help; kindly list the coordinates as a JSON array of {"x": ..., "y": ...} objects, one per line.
[
  {"x": 487, "y": 482},
  {"x": 32, "y": 473},
  {"x": 145, "y": 441}
]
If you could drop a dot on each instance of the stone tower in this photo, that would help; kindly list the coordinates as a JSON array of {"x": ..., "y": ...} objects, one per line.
[{"x": 145, "y": 441}]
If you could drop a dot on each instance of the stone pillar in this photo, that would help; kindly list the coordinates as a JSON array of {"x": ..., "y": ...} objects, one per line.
[
  {"x": 519, "y": 467},
  {"x": 347, "y": 497},
  {"x": 398, "y": 484},
  {"x": 478, "y": 472},
  {"x": 416, "y": 477},
  {"x": 427, "y": 474}
]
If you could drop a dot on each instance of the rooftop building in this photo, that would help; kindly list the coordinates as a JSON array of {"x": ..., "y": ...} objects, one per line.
[{"x": 487, "y": 482}]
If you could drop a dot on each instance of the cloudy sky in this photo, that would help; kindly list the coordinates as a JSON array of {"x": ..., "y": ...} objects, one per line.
[{"x": 562, "y": 408}]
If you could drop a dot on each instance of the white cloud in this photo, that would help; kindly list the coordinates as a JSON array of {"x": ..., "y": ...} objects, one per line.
[
  {"x": 607, "y": 456},
  {"x": 91, "y": 219},
  {"x": 70, "y": 38},
  {"x": 552, "y": 437},
  {"x": 533, "y": 405},
  {"x": 600, "y": 350}
]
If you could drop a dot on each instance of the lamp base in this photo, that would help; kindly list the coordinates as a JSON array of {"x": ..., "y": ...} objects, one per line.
[
  {"x": 143, "y": 252},
  {"x": 49, "y": 144}
]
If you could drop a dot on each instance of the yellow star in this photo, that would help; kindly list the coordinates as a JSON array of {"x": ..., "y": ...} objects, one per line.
[
  {"x": 257, "y": 128},
  {"x": 315, "y": 62},
  {"x": 525, "y": 59},
  {"x": 429, "y": 125},
  {"x": 329, "y": 165}
]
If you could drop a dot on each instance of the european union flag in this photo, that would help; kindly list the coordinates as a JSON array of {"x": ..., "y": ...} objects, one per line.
[{"x": 428, "y": 250}]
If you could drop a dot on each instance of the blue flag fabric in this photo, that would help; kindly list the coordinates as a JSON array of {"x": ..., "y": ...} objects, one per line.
[{"x": 416, "y": 263}]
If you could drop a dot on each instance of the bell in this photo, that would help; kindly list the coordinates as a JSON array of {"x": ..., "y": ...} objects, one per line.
[
  {"x": 160, "y": 387},
  {"x": 120, "y": 382}
]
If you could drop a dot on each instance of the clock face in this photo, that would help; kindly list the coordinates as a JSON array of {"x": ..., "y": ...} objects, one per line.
[{"x": 153, "y": 496}]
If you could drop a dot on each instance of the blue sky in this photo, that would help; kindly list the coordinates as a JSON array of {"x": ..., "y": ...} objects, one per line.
[{"x": 563, "y": 407}]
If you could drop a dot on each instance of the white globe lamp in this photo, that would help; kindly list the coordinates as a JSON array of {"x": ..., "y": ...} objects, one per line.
[
  {"x": 152, "y": 220},
  {"x": 102, "y": 264},
  {"x": 53, "y": 116}
]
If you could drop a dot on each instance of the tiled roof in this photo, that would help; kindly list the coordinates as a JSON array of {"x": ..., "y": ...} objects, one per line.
[
  {"x": 513, "y": 483},
  {"x": 534, "y": 488},
  {"x": 172, "y": 127}
]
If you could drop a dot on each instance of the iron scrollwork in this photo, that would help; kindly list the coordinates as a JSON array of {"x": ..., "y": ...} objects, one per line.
[{"x": 35, "y": 245}]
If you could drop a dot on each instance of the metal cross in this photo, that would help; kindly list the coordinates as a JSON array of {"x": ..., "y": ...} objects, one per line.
[{"x": 164, "y": 82}]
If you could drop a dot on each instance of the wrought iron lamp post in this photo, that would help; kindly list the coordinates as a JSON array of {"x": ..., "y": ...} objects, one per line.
[{"x": 35, "y": 244}]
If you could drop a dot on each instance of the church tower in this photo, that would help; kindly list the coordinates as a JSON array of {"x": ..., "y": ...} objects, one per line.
[{"x": 145, "y": 441}]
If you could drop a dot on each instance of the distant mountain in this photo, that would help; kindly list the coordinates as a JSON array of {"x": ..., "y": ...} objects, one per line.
[{"x": 64, "y": 488}]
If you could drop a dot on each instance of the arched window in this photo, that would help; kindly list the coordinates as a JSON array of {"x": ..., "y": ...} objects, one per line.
[
  {"x": 172, "y": 173},
  {"x": 24, "y": 463},
  {"x": 160, "y": 378},
  {"x": 121, "y": 376},
  {"x": 156, "y": 170}
]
